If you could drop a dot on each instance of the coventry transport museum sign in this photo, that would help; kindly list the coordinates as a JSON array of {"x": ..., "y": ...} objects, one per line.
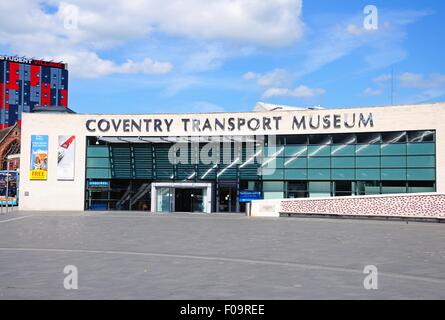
[{"x": 225, "y": 124}]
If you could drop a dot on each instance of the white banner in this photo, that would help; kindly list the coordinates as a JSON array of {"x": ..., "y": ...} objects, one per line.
[{"x": 66, "y": 157}]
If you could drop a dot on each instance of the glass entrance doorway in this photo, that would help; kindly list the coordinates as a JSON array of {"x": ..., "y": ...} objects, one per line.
[
  {"x": 181, "y": 197},
  {"x": 227, "y": 199},
  {"x": 189, "y": 200}
]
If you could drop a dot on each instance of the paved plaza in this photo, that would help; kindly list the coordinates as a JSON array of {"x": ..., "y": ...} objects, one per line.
[{"x": 124, "y": 255}]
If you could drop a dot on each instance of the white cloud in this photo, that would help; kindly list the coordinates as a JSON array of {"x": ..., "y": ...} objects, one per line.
[
  {"x": 106, "y": 24},
  {"x": 299, "y": 92},
  {"x": 341, "y": 39},
  {"x": 419, "y": 81},
  {"x": 275, "y": 77},
  {"x": 382, "y": 78},
  {"x": 372, "y": 92},
  {"x": 428, "y": 87}
]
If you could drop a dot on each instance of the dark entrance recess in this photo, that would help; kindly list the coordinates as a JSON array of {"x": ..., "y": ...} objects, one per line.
[{"x": 188, "y": 200}]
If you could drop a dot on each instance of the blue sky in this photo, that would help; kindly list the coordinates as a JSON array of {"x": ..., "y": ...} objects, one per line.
[{"x": 226, "y": 55}]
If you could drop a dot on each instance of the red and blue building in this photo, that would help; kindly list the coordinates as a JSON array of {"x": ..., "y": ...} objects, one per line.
[{"x": 30, "y": 84}]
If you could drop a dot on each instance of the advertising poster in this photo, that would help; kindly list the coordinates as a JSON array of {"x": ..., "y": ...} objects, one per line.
[
  {"x": 39, "y": 157},
  {"x": 8, "y": 188},
  {"x": 65, "y": 158}
]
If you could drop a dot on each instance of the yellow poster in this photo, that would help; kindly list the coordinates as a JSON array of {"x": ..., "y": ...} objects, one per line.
[{"x": 39, "y": 158}]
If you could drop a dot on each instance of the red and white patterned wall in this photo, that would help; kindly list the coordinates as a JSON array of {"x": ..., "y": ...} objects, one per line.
[{"x": 413, "y": 206}]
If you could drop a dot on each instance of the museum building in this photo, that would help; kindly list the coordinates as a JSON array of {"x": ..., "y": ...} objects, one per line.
[{"x": 217, "y": 162}]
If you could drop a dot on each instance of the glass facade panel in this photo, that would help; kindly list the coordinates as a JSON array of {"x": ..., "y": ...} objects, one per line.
[
  {"x": 393, "y": 190},
  {"x": 367, "y": 174},
  {"x": 277, "y": 151},
  {"x": 98, "y": 151},
  {"x": 273, "y": 162},
  {"x": 393, "y": 149},
  {"x": 273, "y": 174},
  {"x": 421, "y": 149},
  {"x": 394, "y": 174},
  {"x": 343, "y": 150},
  {"x": 359, "y": 164},
  {"x": 343, "y": 174},
  {"x": 319, "y": 189},
  {"x": 98, "y": 162},
  {"x": 421, "y": 162},
  {"x": 323, "y": 163},
  {"x": 367, "y": 150},
  {"x": 345, "y": 162},
  {"x": 319, "y": 151},
  {"x": 295, "y": 151},
  {"x": 421, "y": 174},
  {"x": 98, "y": 173},
  {"x": 319, "y": 174},
  {"x": 365, "y": 188},
  {"x": 273, "y": 189},
  {"x": 295, "y": 163},
  {"x": 368, "y": 162},
  {"x": 296, "y": 174},
  {"x": 393, "y": 162}
]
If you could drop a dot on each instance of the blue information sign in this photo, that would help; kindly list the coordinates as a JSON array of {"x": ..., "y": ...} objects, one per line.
[{"x": 248, "y": 196}]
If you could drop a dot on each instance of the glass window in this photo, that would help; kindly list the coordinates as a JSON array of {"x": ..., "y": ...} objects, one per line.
[
  {"x": 421, "y": 186},
  {"x": 295, "y": 151},
  {"x": 98, "y": 173},
  {"x": 367, "y": 174},
  {"x": 273, "y": 162},
  {"x": 319, "y": 189},
  {"x": 97, "y": 151},
  {"x": 369, "y": 138},
  {"x": 421, "y": 136},
  {"x": 393, "y": 162},
  {"x": 365, "y": 188},
  {"x": 319, "y": 174},
  {"x": 394, "y": 137},
  {"x": 295, "y": 174},
  {"x": 295, "y": 163},
  {"x": 393, "y": 187},
  {"x": 319, "y": 151},
  {"x": 297, "y": 139},
  {"x": 344, "y": 139},
  {"x": 421, "y": 162},
  {"x": 272, "y": 174},
  {"x": 297, "y": 189},
  {"x": 393, "y": 174},
  {"x": 342, "y": 150},
  {"x": 421, "y": 149},
  {"x": 98, "y": 162},
  {"x": 344, "y": 162},
  {"x": 393, "y": 149},
  {"x": 421, "y": 174},
  {"x": 343, "y": 174},
  {"x": 277, "y": 151},
  {"x": 368, "y": 162},
  {"x": 273, "y": 189},
  {"x": 343, "y": 188},
  {"x": 321, "y": 139},
  {"x": 367, "y": 150},
  {"x": 319, "y": 162}
]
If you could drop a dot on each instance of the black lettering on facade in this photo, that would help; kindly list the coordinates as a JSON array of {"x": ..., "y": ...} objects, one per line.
[{"x": 299, "y": 124}]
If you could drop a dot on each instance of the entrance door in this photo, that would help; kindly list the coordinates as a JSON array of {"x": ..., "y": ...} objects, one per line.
[
  {"x": 181, "y": 197},
  {"x": 165, "y": 199},
  {"x": 227, "y": 199},
  {"x": 189, "y": 200}
]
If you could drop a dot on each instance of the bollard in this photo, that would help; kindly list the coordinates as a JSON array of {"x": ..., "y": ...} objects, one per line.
[{"x": 248, "y": 208}]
